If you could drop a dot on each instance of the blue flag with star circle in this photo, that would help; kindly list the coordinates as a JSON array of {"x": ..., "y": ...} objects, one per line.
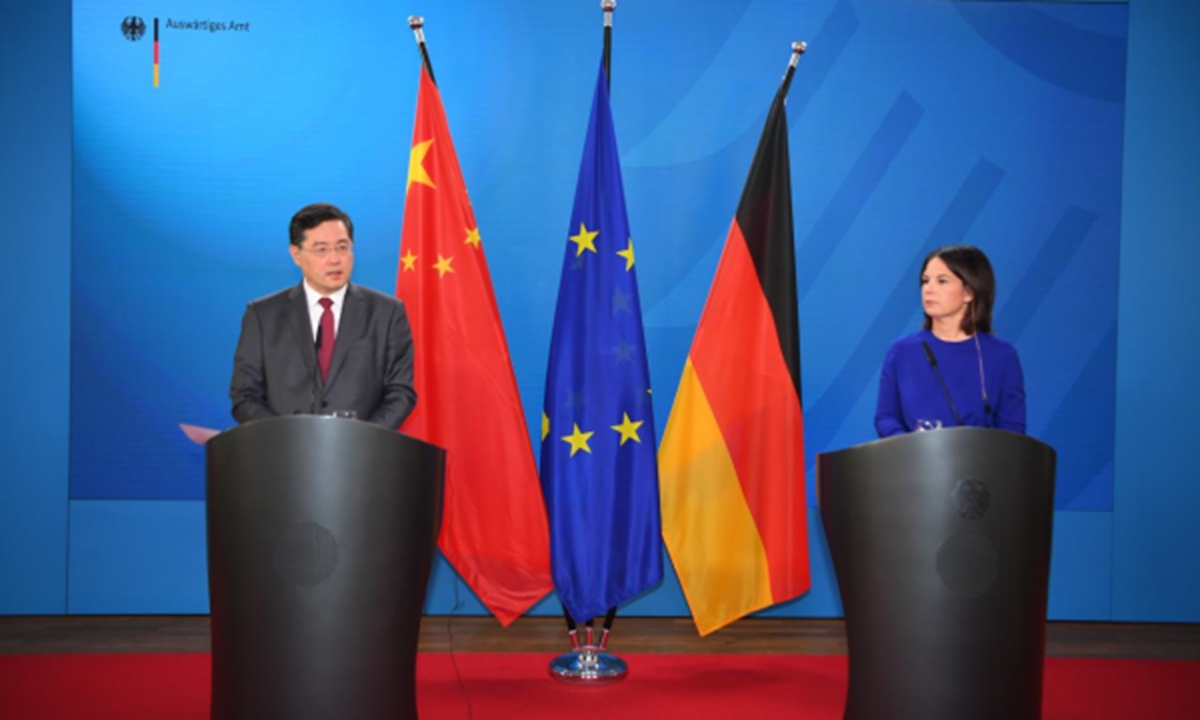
[{"x": 598, "y": 462}]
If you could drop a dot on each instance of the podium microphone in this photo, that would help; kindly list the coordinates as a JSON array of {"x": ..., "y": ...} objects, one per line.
[
  {"x": 933, "y": 364},
  {"x": 987, "y": 404},
  {"x": 312, "y": 393}
]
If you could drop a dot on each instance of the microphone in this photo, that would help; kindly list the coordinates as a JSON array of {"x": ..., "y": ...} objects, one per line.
[
  {"x": 312, "y": 393},
  {"x": 933, "y": 364},
  {"x": 987, "y": 405}
]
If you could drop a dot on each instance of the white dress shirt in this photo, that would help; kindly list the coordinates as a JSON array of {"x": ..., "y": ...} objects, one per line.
[{"x": 315, "y": 310}]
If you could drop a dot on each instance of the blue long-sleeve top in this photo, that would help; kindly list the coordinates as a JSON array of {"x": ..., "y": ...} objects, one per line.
[{"x": 909, "y": 389}]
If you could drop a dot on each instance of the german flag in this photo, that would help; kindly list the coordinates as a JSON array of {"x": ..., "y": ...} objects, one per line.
[{"x": 731, "y": 464}]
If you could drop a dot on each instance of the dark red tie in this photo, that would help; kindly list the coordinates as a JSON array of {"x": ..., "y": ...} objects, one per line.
[{"x": 325, "y": 350}]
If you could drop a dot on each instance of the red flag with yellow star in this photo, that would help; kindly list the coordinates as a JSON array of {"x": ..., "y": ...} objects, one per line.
[{"x": 494, "y": 528}]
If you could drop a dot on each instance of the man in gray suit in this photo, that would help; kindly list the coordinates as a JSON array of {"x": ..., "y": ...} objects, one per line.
[{"x": 324, "y": 345}]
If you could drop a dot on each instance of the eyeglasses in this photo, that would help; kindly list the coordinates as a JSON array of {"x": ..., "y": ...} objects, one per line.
[{"x": 321, "y": 252}]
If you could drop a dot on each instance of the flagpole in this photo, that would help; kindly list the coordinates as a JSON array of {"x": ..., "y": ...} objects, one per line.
[
  {"x": 572, "y": 630},
  {"x": 798, "y": 49},
  {"x": 417, "y": 23},
  {"x": 589, "y": 663},
  {"x": 608, "y": 6}
]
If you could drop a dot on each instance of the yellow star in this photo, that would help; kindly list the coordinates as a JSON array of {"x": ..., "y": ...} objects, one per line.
[
  {"x": 628, "y": 428},
  {"x": 416, "y": 171},
  {"x": 627, "y": 253},
  {"x": 545, "y": 426},
  {"x": 585, "y": 240},
  {"x": 473, "y": 237},
  {"x": 443, "y": 265},
  {"x": 409, "y": 260},
  {"x": 578, "y": 440}
]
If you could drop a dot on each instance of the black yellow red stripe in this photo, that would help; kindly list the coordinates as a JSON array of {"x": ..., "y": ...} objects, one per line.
[
  {"x": 155, "y": 52},
  {"x": 731, "y": 464}
]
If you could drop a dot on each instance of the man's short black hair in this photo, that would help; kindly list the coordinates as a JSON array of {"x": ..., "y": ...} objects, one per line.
[{"x": 310, "y": 216}]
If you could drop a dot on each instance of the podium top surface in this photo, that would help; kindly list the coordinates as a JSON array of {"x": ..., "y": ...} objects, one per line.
[
  {"x": 306, "y": 424},
  {"x": 944, "y": 439}
]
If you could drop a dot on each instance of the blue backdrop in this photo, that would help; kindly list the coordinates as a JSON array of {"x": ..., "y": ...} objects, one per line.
[{"x": 913, "y": 124}]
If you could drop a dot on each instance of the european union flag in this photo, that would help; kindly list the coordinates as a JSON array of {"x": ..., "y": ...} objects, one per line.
[{"x": 598, "y": 467}]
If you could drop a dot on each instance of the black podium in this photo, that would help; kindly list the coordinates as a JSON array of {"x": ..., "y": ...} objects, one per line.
[
  {"x": 321, "y": 533},
  {"x": 941, "y": 545}
]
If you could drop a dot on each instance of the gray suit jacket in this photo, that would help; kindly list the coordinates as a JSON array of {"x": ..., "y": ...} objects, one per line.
[{"x": 275, "y": 369}]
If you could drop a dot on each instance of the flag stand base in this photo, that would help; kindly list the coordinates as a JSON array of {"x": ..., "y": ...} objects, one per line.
[{"x": 589, "y": 665}]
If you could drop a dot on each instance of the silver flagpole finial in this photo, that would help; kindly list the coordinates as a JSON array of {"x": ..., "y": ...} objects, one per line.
[
  {"x": 798, "y": 49},
  {"x": 416, "y": 22}
]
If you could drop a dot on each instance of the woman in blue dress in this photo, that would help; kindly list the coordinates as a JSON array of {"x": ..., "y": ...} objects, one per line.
[{"x": 983, "y": 383}]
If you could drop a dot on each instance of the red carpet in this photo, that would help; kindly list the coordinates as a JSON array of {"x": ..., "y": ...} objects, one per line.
[{"x": 659, "y": 687}]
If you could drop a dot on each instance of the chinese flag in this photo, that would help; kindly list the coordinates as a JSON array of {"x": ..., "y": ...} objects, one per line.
[
  {"x": 494, "y": 528},
  {"x": 731, "y": 463}
]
